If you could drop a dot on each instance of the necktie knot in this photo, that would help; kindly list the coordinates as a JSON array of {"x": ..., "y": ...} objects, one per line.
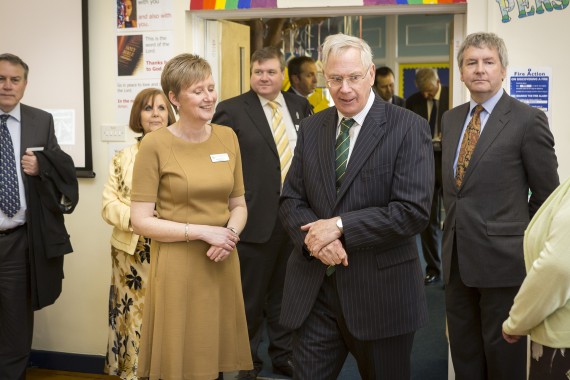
[
  {"x": 4, "y": 117},
  {"x": 345, "y": 125},
  {"x": 477, "y": 110},
  {"x": 273, "y": 104}
]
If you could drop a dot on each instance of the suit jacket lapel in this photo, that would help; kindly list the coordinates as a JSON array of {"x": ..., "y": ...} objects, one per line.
[
  {"x": 259, "y": 120},
  {"x": 370, "y": 135},
  {"x": 26, "y": 135},
  {"x": 26, "y": 132},
  {"x": 493, "y": 127},
  {"x": 295, "y": 112},
  {"x": 326, "y": 153},
  {"x": 456, "y": 121}
]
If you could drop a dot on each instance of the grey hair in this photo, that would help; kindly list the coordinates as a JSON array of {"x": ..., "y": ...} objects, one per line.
[
  {"x": 337, "y": 44},
  {"x": 425, "y": 78},
  {"x": 16, "y": 61},
  {"x": 481, "y": 40}
]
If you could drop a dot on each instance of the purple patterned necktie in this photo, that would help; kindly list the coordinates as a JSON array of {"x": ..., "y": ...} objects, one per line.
[{"x": 9, "y": 193}]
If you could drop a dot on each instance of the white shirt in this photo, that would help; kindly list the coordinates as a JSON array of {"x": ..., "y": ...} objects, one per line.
[
  {"x": 290, "y": 128},
  {"x": 488, "y": 107},
  {"x": 358, "y": 121}
]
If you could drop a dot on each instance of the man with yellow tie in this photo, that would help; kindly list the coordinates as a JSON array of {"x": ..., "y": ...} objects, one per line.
[{"x": 266, "y": 121}]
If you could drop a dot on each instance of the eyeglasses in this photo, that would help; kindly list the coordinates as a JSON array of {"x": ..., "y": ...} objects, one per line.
[{"x": 351, "y": 80}]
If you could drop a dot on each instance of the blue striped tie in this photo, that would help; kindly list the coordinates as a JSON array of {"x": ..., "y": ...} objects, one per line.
[{"x": 9, "y": 193}]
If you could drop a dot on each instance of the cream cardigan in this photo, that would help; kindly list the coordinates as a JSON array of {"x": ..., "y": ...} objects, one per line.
[
  {"x": 542, "y": 306},
  {"x": 117, "y": 199}
]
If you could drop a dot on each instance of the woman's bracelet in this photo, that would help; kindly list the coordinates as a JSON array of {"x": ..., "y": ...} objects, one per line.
[
  {"x": 232, "y": 229},
  {"x": 186, "y": 233}
]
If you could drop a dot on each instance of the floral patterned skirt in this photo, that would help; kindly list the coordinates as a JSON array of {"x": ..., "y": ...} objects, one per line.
[
  {"x": 549, "y": 363},
  {"x": 126, "y": 300}
]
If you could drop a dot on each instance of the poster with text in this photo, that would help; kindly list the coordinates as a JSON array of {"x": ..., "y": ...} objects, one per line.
[
  {"x": 531, "y": 85},
  {"x": 127, "y": 90},
  {"x": 144, "y": 15}
]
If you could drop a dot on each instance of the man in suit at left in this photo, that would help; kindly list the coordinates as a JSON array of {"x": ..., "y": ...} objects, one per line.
[
  {"x": 22, "y": 127},
  {"x": 265, "y": 120},
  {"x": 354, "y": 280},
  {"x": 430, "y": 102}
]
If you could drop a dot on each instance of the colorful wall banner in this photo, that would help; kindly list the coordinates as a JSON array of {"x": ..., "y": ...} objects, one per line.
[
  {"x": 251, "y": 4},
  {"x": 526, "y": 8}
]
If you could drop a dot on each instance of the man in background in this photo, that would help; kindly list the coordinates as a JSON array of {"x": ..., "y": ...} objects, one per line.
[
  {"x": 31, "y": 263},
  {"x": 384, "y": 85},
  {"x": 495, "y": 149},
  {"x": 302, "y": 75},
  {"x": 430, "y": 102},
  {"x": 265, "y": 120}
]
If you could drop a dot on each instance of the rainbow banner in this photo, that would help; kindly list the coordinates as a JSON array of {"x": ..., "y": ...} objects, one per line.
[
  {"x": 231, "y": 4},
  {"x": 251, "y": 4},
  {"x": 411, "y": 2}
]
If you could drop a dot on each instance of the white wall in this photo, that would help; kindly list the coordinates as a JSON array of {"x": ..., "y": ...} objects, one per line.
[
  {"x": 535, "y": 41},
  {"x": 77, "y": 323}
]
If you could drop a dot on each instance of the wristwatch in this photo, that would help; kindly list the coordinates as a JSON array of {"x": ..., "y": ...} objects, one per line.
[{"x": 339, "y": 225}]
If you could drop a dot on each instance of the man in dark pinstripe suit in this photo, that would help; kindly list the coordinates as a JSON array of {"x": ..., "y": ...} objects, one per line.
[{"x": 354, "y": 281}]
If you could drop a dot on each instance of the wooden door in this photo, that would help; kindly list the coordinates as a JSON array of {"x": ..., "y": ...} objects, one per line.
[{"x": 234, "y": 60}]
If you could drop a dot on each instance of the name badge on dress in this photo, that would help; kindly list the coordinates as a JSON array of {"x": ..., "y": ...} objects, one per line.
[{"x": 220, "y": 157}]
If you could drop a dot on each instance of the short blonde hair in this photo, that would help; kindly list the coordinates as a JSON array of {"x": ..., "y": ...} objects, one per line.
[{"x": 182, "y": 72}]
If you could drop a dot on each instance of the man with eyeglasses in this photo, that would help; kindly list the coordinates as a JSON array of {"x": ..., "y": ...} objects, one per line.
[
  {"x": 266, "y": 121},
  {"x": 358, "y": 191}
]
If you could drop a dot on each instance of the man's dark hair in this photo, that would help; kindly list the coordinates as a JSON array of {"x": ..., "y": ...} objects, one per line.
[
  {"x": 383, "y": 71},
  {"x": 15, "y": 60},
  {"x": 295, "y": 64}
]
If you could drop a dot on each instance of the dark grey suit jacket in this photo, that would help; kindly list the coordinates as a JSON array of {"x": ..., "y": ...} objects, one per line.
[
  {"x": 487, "y": 217},
  {"x": 384, "y": 201},
  {"x": 418, "y": 104},
  {"x": 398, "y": 101},
  {"x": 37, "y": 130},
  {"x": 260, "y": 160}
]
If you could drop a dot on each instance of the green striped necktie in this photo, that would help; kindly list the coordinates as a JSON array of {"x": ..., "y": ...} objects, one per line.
[{"x": 342, "y": 149}]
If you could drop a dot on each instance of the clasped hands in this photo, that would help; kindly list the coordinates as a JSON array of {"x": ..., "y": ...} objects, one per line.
[
  {"x": 223, "y": 241},
  {"x": 323, "y": 242}
]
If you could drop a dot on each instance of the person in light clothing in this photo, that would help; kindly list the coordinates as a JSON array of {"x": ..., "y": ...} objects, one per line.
[{"x": 542, "y": 305}]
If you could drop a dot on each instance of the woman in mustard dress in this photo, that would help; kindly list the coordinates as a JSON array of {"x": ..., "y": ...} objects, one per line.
[{"x": 194, "y": 323}]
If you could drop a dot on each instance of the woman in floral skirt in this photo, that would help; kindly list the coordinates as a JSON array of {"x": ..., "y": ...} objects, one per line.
[{"x": 130, "y": 252}]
